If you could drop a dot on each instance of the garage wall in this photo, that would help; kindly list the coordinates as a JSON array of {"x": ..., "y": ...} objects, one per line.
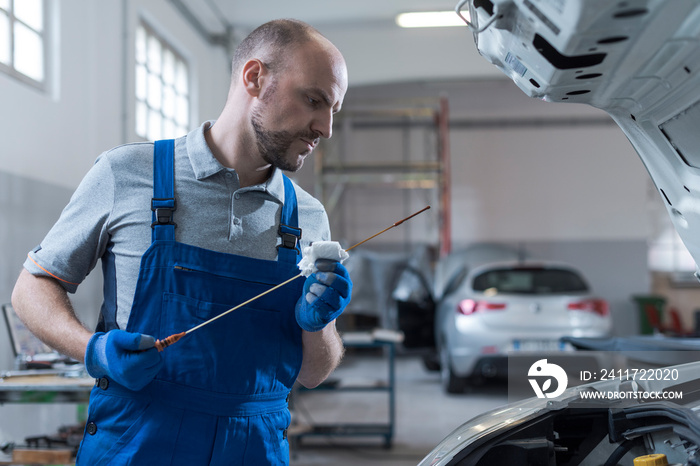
[
  {"x": 559, "y": 182},
  {"x": 50, "y": 140},
  {"x": 521, "y": 169}
]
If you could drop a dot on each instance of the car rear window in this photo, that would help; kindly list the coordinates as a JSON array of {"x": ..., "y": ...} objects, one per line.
[{"x": 530, "y": 281}]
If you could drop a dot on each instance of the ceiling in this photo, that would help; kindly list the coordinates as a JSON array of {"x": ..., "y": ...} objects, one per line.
[
  {"x": 376, "y": 50},
  {"x": 217, "y": 14}
]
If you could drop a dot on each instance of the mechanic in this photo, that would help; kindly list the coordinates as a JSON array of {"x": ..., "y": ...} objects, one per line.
[{"x": 178, "y": 249}]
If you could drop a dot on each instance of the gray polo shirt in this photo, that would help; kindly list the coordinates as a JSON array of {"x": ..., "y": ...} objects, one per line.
[{"x": 109, "y": 215}]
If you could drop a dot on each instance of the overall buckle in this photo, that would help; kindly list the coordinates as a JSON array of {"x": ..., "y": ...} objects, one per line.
[
  {"x": 290, "y": 237},
  {"x": 164, "y": 209}
]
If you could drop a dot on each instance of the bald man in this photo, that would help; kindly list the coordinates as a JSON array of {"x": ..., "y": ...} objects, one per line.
[{"x": 186, "y": 229}]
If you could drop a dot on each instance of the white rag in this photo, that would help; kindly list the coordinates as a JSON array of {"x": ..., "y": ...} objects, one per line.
[{"x": 320, "y": 250}]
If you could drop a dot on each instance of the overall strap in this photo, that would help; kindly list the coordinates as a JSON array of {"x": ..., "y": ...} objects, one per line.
[
  {"x": 289, "y": 229},
  {"x": 163, "y": 202}
]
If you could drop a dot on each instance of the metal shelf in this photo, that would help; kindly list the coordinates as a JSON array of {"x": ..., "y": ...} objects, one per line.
[
  {"x": 338, "y": 164},
  {"x": 387, "y": 386}
]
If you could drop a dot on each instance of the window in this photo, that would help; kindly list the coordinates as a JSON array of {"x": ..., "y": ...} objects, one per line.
[
  {"x": 530, "y": 281},
  {"x": 23, "y": 40},
  {"x": 162, "y": 88},
  {"x": 666, "y": 253}
]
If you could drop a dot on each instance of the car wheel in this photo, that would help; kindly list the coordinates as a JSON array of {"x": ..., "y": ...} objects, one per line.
[
  {"x": 431, "y": 362},
  {"x": 451, "y": 382}
]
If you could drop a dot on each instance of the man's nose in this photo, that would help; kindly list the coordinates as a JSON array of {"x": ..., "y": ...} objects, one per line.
[{"x": 323, "y": 124}]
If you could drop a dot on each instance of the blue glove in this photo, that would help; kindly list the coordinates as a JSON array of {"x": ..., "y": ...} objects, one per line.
[
  {"x": 129, "y": 359},
  {"x": 326, "y": 294}
]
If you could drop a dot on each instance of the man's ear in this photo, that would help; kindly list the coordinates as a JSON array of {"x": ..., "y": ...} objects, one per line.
[{"x": 253, "y": 75}]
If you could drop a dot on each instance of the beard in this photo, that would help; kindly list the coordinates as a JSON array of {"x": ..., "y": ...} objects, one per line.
[{"x": 274, "y": 146}]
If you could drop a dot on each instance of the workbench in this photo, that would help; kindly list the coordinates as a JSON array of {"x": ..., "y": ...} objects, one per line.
[{"x": 43, "y": 386}]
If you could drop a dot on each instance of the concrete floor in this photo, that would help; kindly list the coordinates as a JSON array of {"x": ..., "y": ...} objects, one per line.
[{"x": 424, "y": 414}]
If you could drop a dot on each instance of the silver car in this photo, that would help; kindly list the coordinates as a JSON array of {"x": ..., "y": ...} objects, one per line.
[{"x": 505, "y": 308}]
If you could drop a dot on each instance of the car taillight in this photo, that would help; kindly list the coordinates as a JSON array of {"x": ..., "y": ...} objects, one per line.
[
  {"x": 470, "y": 306},
  {"x": 598, "y": 306}
]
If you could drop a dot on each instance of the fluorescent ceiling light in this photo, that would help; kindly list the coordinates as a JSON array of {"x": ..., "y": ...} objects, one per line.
[{"x": 429, "y": 19}]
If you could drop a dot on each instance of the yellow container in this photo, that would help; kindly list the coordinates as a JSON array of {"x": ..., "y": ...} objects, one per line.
[{"x": 655, "y": 459}]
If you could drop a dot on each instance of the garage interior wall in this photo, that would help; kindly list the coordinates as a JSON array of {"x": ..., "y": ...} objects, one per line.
[{"x": 559, "y": 181}]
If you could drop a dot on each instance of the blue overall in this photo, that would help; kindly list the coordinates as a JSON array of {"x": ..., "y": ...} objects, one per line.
[{"x": 221, "y": 397}]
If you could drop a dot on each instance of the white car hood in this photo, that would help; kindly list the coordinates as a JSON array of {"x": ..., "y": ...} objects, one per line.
[{"x": 637, "y": 60}]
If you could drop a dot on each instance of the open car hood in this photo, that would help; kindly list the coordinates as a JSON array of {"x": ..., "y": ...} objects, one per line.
[
  {"x": 576, "y": 429},
  {"x": 638, "y": 60}
]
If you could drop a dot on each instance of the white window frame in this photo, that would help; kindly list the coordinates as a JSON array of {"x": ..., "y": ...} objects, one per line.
[
  {"x": 44, "y": 34},
  {"x": 141, "y": 98},
  {"x": 666, "y": 252}
]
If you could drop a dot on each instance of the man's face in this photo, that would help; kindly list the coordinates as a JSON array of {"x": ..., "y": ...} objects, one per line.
[
  {"x": 296, "y": 108},
  {"x": 279, "y": 147}
]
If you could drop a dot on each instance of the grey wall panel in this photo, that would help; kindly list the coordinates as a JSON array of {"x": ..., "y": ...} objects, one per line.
[{"x": 28, "y": 209}]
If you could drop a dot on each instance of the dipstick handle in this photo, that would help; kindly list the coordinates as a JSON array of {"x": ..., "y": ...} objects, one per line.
[{"x": 162, "y": 344}]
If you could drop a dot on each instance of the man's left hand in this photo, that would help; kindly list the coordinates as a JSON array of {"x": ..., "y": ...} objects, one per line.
[{"x": 326, "y": 294}]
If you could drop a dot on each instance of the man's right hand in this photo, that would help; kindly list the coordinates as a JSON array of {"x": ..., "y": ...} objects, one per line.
[{"x": 129, "y": 359}]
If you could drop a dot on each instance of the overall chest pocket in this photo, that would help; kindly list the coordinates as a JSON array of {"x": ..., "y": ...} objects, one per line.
[{"x": 238, "y": 353}]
